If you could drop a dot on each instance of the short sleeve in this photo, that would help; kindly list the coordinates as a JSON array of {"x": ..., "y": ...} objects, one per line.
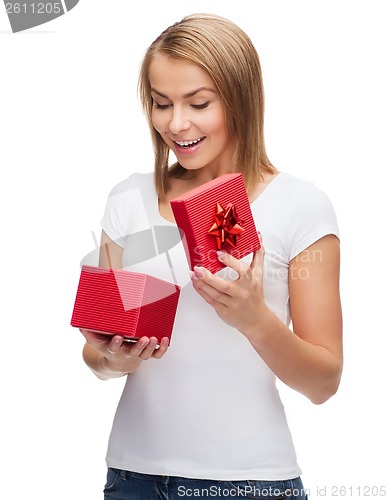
[
  {"x": 124, "y": 212},
  {"x": 313, "y": 217}
]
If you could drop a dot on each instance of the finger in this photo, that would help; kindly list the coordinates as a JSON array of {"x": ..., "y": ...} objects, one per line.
[
  {"x": 217, "y": 301},
  {"x": 95, "y": 339},
  {"x": 258, "y": 256},
  {"x": 90, "y": 334},
  {"x": 164, "y": 343},
  {"x": 237, "y": 265},
  {"x": 211, "y": 294},
  {"x": 202, "y": 276},
  {"x": 136, "y": 349},
  {"x": 114, "y": 345},
  {"x": 148, "y": 350},
  {"x": 258, "y": 259}
]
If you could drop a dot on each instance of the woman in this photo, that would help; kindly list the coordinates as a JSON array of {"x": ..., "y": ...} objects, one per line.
[{"x": 203, "y": 417}]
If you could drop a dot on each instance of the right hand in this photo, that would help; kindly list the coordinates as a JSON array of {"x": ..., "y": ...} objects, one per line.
[{"x": 124, "y": 357}]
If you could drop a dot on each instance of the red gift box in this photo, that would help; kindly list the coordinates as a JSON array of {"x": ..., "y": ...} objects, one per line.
[
  {"x": 125, "y": 303},
  {"x": 216, "y": 216}
]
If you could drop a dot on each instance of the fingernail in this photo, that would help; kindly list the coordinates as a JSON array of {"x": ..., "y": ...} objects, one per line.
[
  {"x": 198, "y": 272},
  {"x": 153, "y": 343},
  {"x": 193, "y": 277},
  {"x": 221, "y": 254}
]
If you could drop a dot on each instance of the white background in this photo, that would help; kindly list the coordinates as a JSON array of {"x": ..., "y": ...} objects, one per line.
[{"x": 71, "y": 128}]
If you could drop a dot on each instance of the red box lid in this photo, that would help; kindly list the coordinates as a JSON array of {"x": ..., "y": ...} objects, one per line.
[{"x": 195, "y": 215}]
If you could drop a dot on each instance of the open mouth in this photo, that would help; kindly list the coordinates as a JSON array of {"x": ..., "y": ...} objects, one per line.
[{"x": 189, "y": 144}]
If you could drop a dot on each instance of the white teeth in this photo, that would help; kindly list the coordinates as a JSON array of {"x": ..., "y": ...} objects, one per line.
[{"x": 187, "y": 143}]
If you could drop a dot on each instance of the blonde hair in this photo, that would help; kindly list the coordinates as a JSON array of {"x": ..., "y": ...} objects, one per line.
[{"x": 227, "y": 54}]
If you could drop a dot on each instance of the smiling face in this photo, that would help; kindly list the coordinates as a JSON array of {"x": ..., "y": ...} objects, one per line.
[{"x": 188, "y": 114}]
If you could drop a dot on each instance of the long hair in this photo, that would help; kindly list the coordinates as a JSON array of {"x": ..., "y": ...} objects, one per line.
[{"x": 227, "y": 54}]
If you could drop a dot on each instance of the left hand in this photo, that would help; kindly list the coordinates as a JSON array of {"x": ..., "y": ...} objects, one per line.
[{"x": 239, "y": 303}]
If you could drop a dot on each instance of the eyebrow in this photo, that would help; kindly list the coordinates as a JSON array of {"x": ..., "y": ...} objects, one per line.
[{"x": 186, "y": 96}]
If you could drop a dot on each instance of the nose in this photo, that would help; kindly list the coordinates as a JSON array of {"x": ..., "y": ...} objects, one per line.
[{"x": 179, "y": 120}]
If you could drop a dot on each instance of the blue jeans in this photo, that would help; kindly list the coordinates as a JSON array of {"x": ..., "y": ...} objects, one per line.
[{"x": 125, "y": 485}]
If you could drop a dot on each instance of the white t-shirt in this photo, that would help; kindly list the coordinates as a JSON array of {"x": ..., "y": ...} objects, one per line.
[{"x": 209, "y": 408}]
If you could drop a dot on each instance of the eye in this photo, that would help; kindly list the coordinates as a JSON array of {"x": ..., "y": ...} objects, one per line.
[
  {"x": 200, "y": 106},
  {"x": 161, "y": 106}
]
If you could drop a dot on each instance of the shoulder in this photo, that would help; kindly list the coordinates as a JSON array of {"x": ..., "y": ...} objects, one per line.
[
  {"x": 296, "y": 194},
  {"x": 310, "y": 214},
  {"x": 126, "y": 207},
  {"x": 134, "y": 181},
  {"x": 296, "y": 187}
]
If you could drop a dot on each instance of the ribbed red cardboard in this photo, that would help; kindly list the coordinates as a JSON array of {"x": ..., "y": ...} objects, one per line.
[
  {"x": 126, "y": 303},
  {"x": 194, "y": 214}
]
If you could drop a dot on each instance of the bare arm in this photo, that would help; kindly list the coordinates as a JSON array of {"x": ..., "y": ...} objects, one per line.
[
  {"x": 310, "y": 360},
  {"x": 109, "y": 357}
]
